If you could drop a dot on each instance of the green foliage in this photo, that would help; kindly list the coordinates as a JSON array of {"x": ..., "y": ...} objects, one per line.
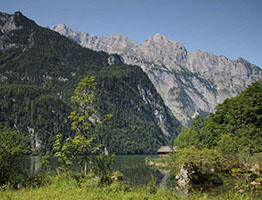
[
  {"x": 227, "y": 147},
  {"x": 188, "y": 137},
  {"x": 84, "y": 143},
  {"x": 16, "y": 105},
  {"x": 204, "y": 159},
  {"x": 38, "y": 180},
  {"x": 83, "y": 119},
  {"x": 66, "y": 188},
  {"x": 20, "y": 180},
  {"x": 13, "y": 148},
  {"x": 234, "y": 129},
  {"x": 65, "y": 152},
  {"x": 103, "y": 166},
  {"x": 151, "y": 186},
  {"x": 49, "y": 118},
  {"x": 240, "y": 117},
  {"x": 45, "y": 162},
  {"x": 84, "y": 97},
  {"x": 117, "y": 176},
  {"x": 29, "y": 107}
]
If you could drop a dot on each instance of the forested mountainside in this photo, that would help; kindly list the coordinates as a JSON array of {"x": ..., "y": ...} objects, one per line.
[
  {"x": 34, "y": 110},
  {"x": 39, "y": 70},
  {"x": 190, "y": 83},
  {"x": 235, "y": 128}
]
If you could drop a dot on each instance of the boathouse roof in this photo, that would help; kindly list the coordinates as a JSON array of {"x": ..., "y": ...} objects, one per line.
[{"x": 166, "y": 149}]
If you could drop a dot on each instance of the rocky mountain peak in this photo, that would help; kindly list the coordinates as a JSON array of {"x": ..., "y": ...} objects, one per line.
[
  {"x": 118, "y": 36},
  {"x": 241, "y": 60},
  {"x": 163, "y": 41},
  {"x": 14, "y": 22},
  {"x": 162, "y": 50},
  {"x": 62, "y": 27},
  {"x": 157, "y": 37},
  {"x": 190, "y": 83},
  {"x": 70, "y": 33},
  {"x": 117, "y": 39}
]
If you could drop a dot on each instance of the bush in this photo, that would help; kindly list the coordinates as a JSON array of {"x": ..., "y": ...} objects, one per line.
[
  {"x": 151, "y": 186},
  {"x": 20, "y": 180},
  {"x": 117, "y": 176},
  {"x": 13, "y": 147},
  {"x": 207, "y": 160},
  {"x": 103, "y": 167}
]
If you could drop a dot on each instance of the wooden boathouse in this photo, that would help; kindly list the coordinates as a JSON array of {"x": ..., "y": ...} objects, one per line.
[{"x": 164, "y": 150}]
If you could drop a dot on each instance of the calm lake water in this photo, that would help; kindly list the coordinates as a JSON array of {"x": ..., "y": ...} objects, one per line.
[
  {"x": 133, "y": 167},
  {"x": 136, "y": 173}
]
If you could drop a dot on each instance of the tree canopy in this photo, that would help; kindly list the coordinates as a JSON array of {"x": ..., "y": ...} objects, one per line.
[
  {"x": 13, "y": 148},
  {"x": 235, "y": 126}
]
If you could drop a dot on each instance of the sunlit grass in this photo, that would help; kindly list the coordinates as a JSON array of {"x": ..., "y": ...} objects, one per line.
[{"x": 68, "y": 189}]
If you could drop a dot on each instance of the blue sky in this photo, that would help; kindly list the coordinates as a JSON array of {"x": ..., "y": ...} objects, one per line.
[{"x": 232, "y": 28}]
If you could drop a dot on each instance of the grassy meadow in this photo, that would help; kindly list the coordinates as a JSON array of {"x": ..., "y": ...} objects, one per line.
[{"x": 65, "y": 188}]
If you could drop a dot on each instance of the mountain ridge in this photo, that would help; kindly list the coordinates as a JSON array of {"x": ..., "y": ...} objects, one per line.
[
  {"x": 190, "y": 82},
  {"x": 31, "y": 55}
]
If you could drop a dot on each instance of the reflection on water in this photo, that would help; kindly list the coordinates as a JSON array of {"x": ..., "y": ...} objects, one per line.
[
  {"x": 31, "y": 164},
  {"x": 133, "y": 167},
  {"x": 165, "y": 181},
  {"x": 136, "y": 172}
]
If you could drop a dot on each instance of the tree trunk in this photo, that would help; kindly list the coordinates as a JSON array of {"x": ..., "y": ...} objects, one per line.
[{"x": 85, "y": 167}]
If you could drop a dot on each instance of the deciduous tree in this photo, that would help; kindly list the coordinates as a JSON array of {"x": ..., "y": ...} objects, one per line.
[{"x": 13, "y": 147}]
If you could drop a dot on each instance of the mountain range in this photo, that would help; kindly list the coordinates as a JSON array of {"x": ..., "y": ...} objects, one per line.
[
  {"x": 151, "y": 89},
  {"x": 39, "y": 70},
  {"x": 190, "y": 83}
]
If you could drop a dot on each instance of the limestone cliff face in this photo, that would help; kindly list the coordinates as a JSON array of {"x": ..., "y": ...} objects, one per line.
[
  {"x": 190, "y": 83},
  {"x": 10, "y": 23}
]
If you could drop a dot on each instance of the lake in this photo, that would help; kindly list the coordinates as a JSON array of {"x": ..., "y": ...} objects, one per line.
[
  {"x": 133, "y": 167},
  {"x": 137, "y": 173}
]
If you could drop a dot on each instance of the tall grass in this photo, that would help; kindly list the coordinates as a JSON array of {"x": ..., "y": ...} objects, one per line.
[{"x": 65, "y": 187}]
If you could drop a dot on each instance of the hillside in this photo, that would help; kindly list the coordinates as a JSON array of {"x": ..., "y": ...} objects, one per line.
[
  {"x": 39, "y": 70},
  {"x": 235, "y": 128},
  {"x": 190, "y": 83}
]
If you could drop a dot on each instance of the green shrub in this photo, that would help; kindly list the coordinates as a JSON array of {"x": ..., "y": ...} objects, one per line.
[{"x": 13, "y": 148}]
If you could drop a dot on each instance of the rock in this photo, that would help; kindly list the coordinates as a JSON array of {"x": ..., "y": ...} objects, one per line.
[
  {"x": 254, "y": 183},
  {"x": 13, "y": 22},
  {"x": 256, "y": 169},
  {"x": 257, "y": 181},
  {"x": 165, "y": 180},
  {"x": 190, "y": 83},
  {"x": 115, "y": 60},
  {"x": 10, "y": 23},
  {"x": 157, "y": 164},
  {"x": 189, "y": 174},
  {"x": 241, "y": 191}
]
